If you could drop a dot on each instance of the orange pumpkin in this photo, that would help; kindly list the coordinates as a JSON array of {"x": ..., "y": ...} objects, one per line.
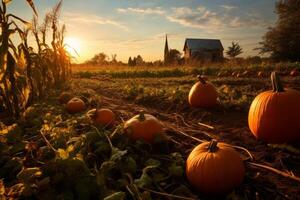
[
  {"x": 104, "y": 116},
  {"x": 75, "y": 105},
  {"x": 274, "y": 115},
  {"x": 214, "y": 168},
  {"x": 64, "y": 97},
  {"x": 294, "y": 73},
  {"x": 203, "y": 94},
  {"x": 143, "y": 127}
]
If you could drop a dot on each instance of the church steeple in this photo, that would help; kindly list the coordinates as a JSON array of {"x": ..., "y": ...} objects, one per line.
[{"x": 166, "y": 50}]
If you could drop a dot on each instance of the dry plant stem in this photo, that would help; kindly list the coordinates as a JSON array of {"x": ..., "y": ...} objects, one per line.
[
  {"x": 47, "y": 141},
  {"x": 244, "y": 149},
  {"x": 284, "y": 174},
  {"x": 207, "y": 126},
  {"x": 108, "y": 139},
  {"x": 194, "y": 138},
  {"x": 167, "y": 195}
]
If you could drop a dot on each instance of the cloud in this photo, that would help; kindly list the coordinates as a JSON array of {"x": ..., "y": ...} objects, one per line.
[
  {"x": 228, "y": 7},
  {"x": 200, "y": 18},
  {"x": 203, "y": 18},
  {"x": 92, "y": 19},
  {"x": 211, "y": 21},
  {"x": 156, "y": 10}
]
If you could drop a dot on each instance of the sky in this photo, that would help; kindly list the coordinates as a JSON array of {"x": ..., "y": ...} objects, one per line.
[{"x": 138, "y": 27}]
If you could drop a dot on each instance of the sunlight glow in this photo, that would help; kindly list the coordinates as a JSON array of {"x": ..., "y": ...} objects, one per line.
[{"x": 73, "y": 46}]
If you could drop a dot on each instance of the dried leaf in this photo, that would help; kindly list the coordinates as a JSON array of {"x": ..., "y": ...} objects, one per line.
[
  {"x": 30, "y": 2},
  {"x": 62, "y": 154}
]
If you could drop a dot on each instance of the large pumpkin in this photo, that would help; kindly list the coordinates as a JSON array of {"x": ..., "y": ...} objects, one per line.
[
  {"x": 75, "y": 105},
  {"x": 143, "y": 127},
  {"x": 203, "y": 94},
  {"x": 214, "y": 168},
  {"x": 274, "y": 115},
  {"x": 104, "y": 116}
]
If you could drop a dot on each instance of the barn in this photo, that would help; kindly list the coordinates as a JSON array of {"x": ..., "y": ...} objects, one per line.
[{"x": 210, "y": 50}]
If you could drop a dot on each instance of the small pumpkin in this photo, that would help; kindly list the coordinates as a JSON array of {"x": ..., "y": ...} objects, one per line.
[
  {"x": 104, "y": 116},
  {"x": 294, "y": 72},
  {"x": 64, "y": 97},
  {"x": 75, "y": 105},
  {"x": 143, "y": 127},
  {"x": 203, "y": 94},
  {"x": 214, "y": 168},
  {"x": 274, "y": 115}
]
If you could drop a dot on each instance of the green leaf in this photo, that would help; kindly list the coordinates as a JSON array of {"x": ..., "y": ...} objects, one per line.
[
  {"x": 144, "y": 181},
  {"x": 152, "y": 162},
  {"x": 117, "y": 154},
  {"x": 176, "y": 171},
  {"x": 116, "y": 196}
]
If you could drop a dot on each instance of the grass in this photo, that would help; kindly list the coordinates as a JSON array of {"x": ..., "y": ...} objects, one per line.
[{"x": 179, "y": 71}]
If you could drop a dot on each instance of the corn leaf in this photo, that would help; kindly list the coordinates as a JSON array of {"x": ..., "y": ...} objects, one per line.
[
  {"x": 18, "y": 18},
  {"x": 30, "y": 2},
  {"x": 7, "y": 1}
]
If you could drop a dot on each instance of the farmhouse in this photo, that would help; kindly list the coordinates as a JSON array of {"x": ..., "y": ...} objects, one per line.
[{"x": 203, "y": 50}]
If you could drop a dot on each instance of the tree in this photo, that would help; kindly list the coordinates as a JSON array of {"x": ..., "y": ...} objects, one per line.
[
  {"x": 234, "y": 50},
  {"x": 130, "y": 61},
  {"x": 174, "y": 56},
  {"x": 99, "y": 58},
  {"x": 139, "y": 60},
  {"x": 283, "y": 40}
]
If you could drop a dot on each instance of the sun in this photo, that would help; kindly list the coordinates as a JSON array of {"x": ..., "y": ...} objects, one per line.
[{"x": 73, "y": 46}]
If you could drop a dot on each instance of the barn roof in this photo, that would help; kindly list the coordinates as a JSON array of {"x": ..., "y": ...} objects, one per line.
[{"x": 209, "y": 44}]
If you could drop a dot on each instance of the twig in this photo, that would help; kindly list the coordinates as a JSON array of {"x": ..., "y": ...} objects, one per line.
[
  {"x": 167, "y": 195},
  {"x": 207, "y": 126},
  {"x": 284, "y": 174},
  {"x": 181, "y": 132},
  {"x": 47, "y": 141},
  {"x": 202, "y": 132},
  {"x": 183, "y": 121}
]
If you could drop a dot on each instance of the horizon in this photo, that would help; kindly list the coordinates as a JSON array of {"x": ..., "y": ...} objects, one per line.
[{"x": 130, "y": 28}]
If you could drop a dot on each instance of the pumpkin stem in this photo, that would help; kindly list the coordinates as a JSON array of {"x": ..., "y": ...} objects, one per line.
[
  {"x": 276, "y": 83},
  {"x": 201, "y": 79},
  {"x": 213, "y": 146},
  {"x": 142, "y": 115}
]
